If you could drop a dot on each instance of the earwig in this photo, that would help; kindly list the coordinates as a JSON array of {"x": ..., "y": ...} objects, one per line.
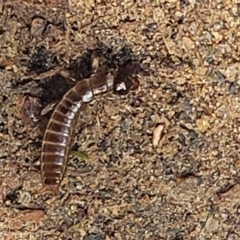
[{"x": 60, "y": 129}]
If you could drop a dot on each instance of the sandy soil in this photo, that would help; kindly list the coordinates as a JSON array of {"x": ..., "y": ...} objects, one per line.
[{"x": 163, "y": 161}]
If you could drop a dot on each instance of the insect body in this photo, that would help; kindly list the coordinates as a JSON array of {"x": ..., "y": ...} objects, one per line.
[{"x": 59, "y": 133}]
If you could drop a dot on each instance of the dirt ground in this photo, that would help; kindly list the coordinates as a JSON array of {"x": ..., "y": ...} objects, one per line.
[{"x": 163, "y": 161}]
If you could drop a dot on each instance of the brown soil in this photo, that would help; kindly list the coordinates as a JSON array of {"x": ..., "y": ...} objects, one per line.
[{"x": 163, "y": 160}]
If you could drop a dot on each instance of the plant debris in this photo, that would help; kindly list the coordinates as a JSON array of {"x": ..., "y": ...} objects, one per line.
[{"x": 157, "y": 133}]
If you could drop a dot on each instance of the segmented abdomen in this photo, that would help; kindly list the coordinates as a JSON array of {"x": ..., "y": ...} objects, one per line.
[
  {"x": 59, "y": 133},
  {"x": 58, "y": 136}
]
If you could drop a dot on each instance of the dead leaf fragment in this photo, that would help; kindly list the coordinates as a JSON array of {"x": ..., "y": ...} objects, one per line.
[
  {"x": 211, "y": 224},
  {"x": 31, "y": 216},
  {"x": 203, "y": 124},
  {"x": 188, "y": 44}
]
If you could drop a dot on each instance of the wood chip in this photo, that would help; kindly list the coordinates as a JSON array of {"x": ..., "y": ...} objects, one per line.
[{"x": 157, "y": 134}]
